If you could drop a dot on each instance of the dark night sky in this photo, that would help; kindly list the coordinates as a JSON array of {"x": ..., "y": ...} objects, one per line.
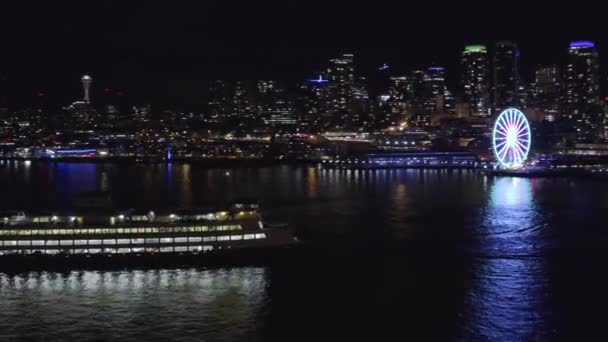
[{"x": 165, "y": 53}]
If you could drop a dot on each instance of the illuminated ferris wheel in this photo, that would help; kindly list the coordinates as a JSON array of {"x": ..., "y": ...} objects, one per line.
[{"x": 511, "y": 138}]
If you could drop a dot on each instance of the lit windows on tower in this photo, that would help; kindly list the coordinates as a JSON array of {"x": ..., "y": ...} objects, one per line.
[{"x": 475, "y": 79}]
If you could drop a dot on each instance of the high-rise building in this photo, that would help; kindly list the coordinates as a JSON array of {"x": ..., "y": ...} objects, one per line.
[
  {"x": 315, "y": 102},
  {"x": 219, "y": 103},
  {"x": 475, "y": 79},
  {"x": 398, "y": 92},
  {"x": 341, "y": 74},
  {"x": 582, "y": 96},
  {"x": 273, "y": 107},
  {"x": 416, "y": 94},
  {"x": 548, "y": 89},
  {"x": 86, "y": 86},
  {"x": 582, "y": 74},
  {"x": 434, "y": 90},
  {"x": 505, "y": 76},
  {"x": 547, "y": 82},
  {"x": 241, "y": 104}
]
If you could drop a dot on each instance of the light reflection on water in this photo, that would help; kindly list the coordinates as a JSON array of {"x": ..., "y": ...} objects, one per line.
[
  {"x": 506, "y": 299},
  {"x": 126, "y": 305}
]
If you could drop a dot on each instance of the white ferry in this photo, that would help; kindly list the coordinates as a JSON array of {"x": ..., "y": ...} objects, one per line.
[{"x": 133, "y": 232}]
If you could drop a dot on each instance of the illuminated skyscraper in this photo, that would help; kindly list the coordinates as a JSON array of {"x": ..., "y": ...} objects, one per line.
[
  {"x": 315, "y": 100},
  {"x": 505, "y": 76},
  {"x": 241, "y": 104},
  {"x": 434, "y": 90},
  {"x": 547, "y": 81},
  {"x": 341, "y": 75},
  {"x": 582, "y": 87},
  {"x": 219, "y": 104},
  {"x": 475, "y": 79},
  {"x": 86, "y": 86},
  {"x": 273, "y": 106}
]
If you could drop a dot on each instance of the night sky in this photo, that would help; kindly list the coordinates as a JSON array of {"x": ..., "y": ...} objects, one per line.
[{"x": 165, "y": 53}]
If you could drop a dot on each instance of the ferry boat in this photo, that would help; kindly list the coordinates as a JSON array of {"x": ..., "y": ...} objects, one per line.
[{"x": 131, "y": 232}]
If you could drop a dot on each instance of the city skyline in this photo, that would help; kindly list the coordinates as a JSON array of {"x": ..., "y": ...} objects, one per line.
[{"x": 165, "y": 54}]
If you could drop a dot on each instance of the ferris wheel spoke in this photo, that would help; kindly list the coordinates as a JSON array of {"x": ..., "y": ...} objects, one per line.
[
  {"x": 521, "y": 125},
  {"x": 523, "y": 147},
  {"x": 503, "y": 128},
  {"x": 500, "y": 144},
  {"x": 503, "y": 152},
  {"x": 518, "y": 153}
]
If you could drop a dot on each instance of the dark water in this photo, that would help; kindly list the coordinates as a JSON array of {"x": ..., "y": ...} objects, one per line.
[{"x": 438, "y": 254}]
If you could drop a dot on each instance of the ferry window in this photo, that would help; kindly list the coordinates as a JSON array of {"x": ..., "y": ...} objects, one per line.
[
  {"x": 52, "y": 242},
  {"x": 94, "y": 242},
  {"x": 204, "y": 228},
  {"x": 194, "y": 248},
  {"x": 148, "y": 230},
  {"x": 181, "y": 249},
  {"x": 152, "y": 240},
  {"x": 209, "y": 238},
  {"x": 23, "y": 243},
  {"x": 236, "y": 237},
  {"x": 51, "y": 251},
  {"x": 181, "y": 240},
  {"x": 98, "y": 231},
  {"x": 123, "y": 241},
  {"x": 195, "y": 239},
  {"x": 260, "y": 236},
  {"x": 137, "y": 241},
  {"x": 66, "y": 242},
  {"x": 38, "y": 243},
  {"x": 166, "y": 240},
  {"x": 141, "y": 230},
  {"x": 80, "y": 242},
  {"x": 223, "y": 238},
  {"x": 166, "y": 249},
  {"x": 249, "y": 236},
  {"x": 109, "y": 242},
  {"x": 207, "y": 248}
]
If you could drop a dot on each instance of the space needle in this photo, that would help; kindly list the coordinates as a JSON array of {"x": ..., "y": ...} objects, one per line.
[{"x": 86, "y": 85}]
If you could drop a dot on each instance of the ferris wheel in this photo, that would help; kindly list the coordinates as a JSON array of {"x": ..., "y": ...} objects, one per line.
[{"x": 511, "y": 138}]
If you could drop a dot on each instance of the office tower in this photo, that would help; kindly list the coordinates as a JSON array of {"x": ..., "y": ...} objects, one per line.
[
  {"x": 219, "y": 108},
  {"x": 341, "y": 77},
  {"x": 582, "y": 96},
  {"x": 506, "y": 80},
  {"x": 547, "y": 90},
  {"x": 547, "y": 82},
  {"x": 86, "y": 86},
  {"x": 434, "y": 90},
  {"x": 475, "y": 79},
  {"x": 241, "y": 104},
  {"x": 582, "y": 74},
  {"x": 273, "y": 106},
  {"x": 315, "y": 102},
  {"x": 360, "y": 106},
  {"x": 398, "y": 93},
  {"x": 416, "y": 94}
]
